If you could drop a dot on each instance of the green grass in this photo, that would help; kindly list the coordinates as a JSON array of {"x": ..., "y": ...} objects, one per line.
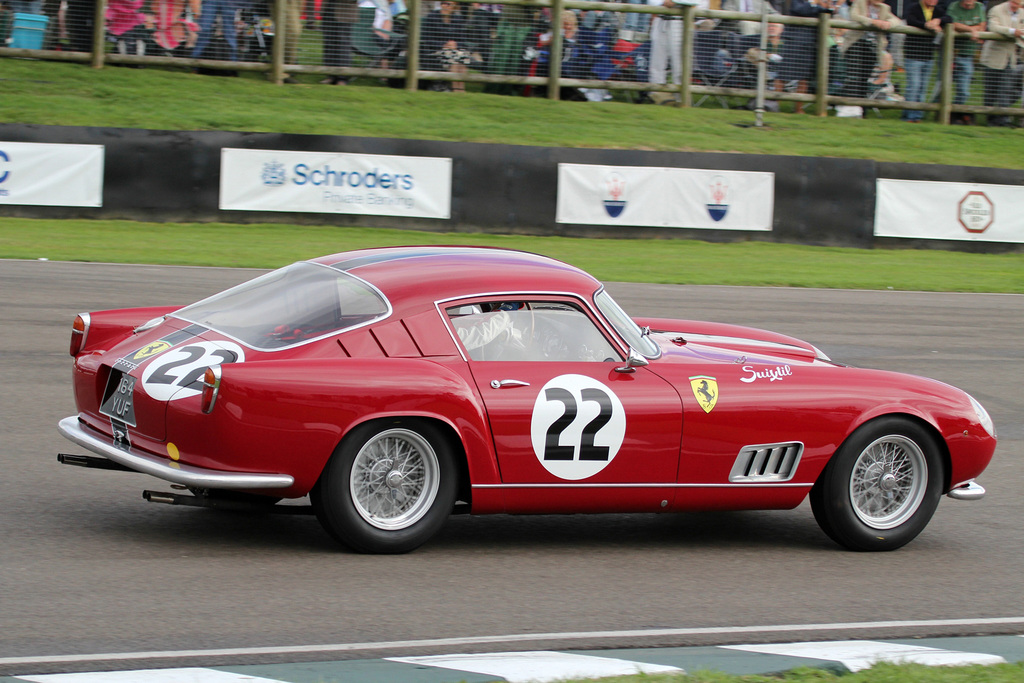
[
  {"x": 880, "y": 673},
  {"x": 58, "y": 93},
  {"x": 658, "y": 261}
]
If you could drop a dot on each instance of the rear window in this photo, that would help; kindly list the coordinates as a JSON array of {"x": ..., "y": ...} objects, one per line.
[{"x": 296, "y": 304}]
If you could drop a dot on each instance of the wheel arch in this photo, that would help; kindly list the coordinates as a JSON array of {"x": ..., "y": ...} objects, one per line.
[
  {"x": 453, "y": 439},
  {"x": 307, "y": 407},
  {"x": 921, "y": 421}
]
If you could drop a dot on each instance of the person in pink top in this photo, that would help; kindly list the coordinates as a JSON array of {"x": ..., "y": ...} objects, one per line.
[
  {"x": 129, "y": 25},
  {"x": 174, "y": 26}
]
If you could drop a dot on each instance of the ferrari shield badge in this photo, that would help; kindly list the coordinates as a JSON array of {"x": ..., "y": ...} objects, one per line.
[
  {"x": 151, "y": 350},
  {"x": 705, "y": 390}
]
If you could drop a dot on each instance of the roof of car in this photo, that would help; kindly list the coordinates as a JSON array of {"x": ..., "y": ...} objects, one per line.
[{"x": 444, "y": 272}]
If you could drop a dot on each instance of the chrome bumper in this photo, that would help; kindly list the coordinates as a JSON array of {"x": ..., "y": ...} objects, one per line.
[
  {"x": 177, "y": 473},
  {"x": 969, "y": 490}
]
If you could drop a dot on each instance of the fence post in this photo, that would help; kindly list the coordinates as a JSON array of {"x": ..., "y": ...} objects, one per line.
[
  {"x": 686, "y": 77},
  {"x": 946, "y": 74},
  {"x": 555, "y": 51},
  {"x": 99, "y": 30},
  {"x": 412, "y": 47},
  {"x": 821, "y": 92},
  {"x": 277, "y": 47},
  {"x": 762, "y": 68}
]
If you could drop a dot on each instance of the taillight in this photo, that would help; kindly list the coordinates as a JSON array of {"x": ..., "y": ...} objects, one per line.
[
  {"x": 211, "y": 386},
  {"x": 79, "y": 332}
]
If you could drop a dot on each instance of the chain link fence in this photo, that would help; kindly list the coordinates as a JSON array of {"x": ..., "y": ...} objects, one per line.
[{"x": 801, "y": 55}]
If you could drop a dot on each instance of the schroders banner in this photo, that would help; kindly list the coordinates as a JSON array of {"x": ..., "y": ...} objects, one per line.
[
  {"x": 949, "y": 211},
  {"x": 40, "y": 174},
  {"x": 327, "y": 182},
  {"x": 665, "y": 197}
]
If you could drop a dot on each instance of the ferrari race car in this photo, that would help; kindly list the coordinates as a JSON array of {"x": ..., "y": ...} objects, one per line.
[{"x": 396, "y": 386}]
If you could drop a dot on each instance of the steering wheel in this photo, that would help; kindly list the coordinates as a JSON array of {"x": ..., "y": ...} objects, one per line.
[{"x": 547, "y": 342}]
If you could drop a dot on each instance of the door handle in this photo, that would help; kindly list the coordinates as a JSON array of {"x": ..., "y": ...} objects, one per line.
[{"x": 502, "y": 383}]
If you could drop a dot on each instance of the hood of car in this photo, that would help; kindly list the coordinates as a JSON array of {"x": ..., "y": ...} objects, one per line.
[
  {"x": 720, "y": 341},
  {"x": 717, "y": 348}
]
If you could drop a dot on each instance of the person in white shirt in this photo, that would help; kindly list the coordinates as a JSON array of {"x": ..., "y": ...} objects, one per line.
[{"x": 999, "y": 59}]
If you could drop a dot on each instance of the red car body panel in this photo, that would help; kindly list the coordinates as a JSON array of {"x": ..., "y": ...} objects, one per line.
[{"x": 684, "y": 419}]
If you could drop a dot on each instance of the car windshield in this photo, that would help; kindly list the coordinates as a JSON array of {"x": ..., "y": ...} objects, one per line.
[
  {"x": 296, "y": 304},
  {"x": 625, "y": 326}
]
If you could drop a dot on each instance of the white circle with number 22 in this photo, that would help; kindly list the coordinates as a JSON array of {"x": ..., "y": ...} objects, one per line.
[
  {"x": 578, "y": 426},
  {"x": 178, "y": 373}
]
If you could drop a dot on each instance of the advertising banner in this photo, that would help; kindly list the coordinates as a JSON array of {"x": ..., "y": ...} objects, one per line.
[
  {"x": 327, "y": 182},
  {"x": 665, "y": 197},
  {"x": 949, "y": 211},
  {"x": 40, "y": 174}
]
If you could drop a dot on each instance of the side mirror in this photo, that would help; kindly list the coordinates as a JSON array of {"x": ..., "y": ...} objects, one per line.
[{"x": 633, "y": 361}]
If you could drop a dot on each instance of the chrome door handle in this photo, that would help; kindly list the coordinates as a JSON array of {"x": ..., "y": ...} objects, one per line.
[{"x": 502, "y": 383}]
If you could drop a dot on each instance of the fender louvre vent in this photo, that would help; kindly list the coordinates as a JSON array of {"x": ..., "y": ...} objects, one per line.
[{"x": 766, "y": 463}]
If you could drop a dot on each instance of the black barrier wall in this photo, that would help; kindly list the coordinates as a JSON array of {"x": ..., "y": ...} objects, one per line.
[{"x": 171, "y": 176}]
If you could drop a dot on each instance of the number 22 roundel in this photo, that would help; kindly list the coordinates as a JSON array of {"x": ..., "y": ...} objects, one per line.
[
  {"x": 178, "y": 373},
  {"x": 578, "y": 426}
]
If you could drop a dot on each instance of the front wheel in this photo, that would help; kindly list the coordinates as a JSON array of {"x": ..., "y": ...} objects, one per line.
[
  {"x": 881, "y": 487},
  {"x": 387, "y": 488}
]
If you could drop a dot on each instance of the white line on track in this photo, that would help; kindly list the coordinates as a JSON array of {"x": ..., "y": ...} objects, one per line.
[
  {"x": 531, "y": 667},
  {"x": 510, "y": 638}
]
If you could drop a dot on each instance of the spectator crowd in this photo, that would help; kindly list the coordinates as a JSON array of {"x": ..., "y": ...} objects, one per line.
[{"x": 599, "y": 45}]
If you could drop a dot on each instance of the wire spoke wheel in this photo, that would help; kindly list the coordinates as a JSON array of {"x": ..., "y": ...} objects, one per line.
[
  {"x": 881, "y": 486},
  {"x": 388, "y": 487},
  {"x": 394, "y": 479},
  {"x": 888, "y": 482}
]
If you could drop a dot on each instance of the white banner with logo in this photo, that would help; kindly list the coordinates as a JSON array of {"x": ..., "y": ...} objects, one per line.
[
  {"x": 949, "y": 211},
  {"x": 665, "y": 197},
  {"x": 327, "y": 182},
  {"x": 41, "y": 174}
]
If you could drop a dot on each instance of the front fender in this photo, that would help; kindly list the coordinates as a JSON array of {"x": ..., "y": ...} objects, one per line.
[{"x": 948, "y": 412}]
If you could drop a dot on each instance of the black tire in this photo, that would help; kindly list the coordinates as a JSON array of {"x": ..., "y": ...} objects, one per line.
[
  {"x": 881, "y": 487},
  {"x": 371, "y": 502}
]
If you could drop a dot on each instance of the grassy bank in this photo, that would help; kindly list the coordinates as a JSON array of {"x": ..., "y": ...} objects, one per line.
[{"x": 57, "y": 93}]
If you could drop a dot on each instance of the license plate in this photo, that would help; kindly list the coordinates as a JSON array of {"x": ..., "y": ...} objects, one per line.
[{"x": 119, "y": 396}]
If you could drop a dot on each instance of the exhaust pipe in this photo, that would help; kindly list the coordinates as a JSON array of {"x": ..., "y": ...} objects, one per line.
[
  {"x": 92, "y": 462},
  {"x": 226, "y": 504}
]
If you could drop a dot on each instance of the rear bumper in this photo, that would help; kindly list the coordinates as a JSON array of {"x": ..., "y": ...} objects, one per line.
[{"x": 171, "y": 471}]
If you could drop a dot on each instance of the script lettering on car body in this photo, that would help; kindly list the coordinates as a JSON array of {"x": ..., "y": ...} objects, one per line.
[{"x": 772, "y": 374}]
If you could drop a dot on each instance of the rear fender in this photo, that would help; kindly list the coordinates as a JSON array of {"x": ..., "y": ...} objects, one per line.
[{"x": 290, "y": 415}]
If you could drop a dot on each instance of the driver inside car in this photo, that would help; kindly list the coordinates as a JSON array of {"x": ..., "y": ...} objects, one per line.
[{"x": 488, "y": 325}]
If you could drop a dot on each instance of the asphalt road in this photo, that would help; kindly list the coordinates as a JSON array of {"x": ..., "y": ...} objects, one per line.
[{"x": 87, "y": 566}]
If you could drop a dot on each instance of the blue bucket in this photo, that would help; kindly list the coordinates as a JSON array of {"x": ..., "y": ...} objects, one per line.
[{"x": 27, "y": 31}]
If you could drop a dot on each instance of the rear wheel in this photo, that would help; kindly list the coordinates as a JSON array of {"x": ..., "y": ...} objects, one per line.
[
  {"x": 882, "y": 486},
  {"x": 388, "y": 487}
]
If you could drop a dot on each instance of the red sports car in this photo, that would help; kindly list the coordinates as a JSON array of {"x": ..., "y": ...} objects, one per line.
[{"x": 396, "y": 386}]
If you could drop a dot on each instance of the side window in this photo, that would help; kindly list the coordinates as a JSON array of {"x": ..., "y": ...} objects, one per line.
[{"x": 530, "y": 331}]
